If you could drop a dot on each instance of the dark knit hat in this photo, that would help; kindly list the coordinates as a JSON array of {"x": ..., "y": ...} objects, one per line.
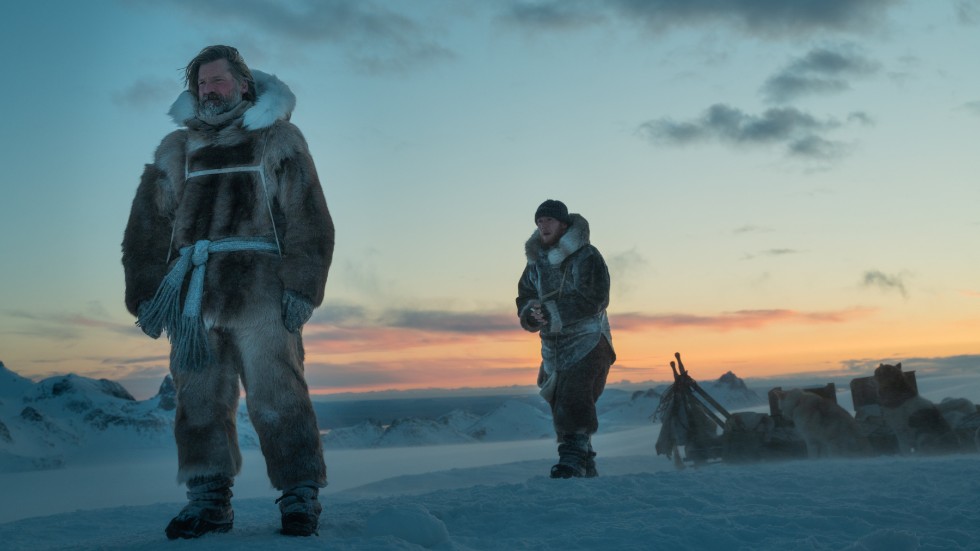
[{"x": 554, "y": 209}]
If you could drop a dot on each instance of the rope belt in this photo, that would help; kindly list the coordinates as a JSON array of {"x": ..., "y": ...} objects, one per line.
[{"x": 186, "y": 330}]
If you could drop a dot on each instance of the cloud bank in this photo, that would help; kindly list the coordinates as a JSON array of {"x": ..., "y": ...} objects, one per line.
[
  {"x": 763, "y": 18},
  {"x": 820, "y": 71},
  {"x": 799, "y": 132}
]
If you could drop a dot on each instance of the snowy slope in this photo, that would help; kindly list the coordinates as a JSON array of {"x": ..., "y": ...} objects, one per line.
[
  {"x": 883, "y": 504},
  {"x": 496, "y": 495}
]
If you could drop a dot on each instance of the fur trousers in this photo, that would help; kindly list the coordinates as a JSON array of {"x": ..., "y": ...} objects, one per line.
[
  {"x": 268, "y": 360},
  {"x": 577, "y": 389}
]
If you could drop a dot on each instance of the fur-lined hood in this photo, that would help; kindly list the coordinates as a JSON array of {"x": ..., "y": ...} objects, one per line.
[
  {"x": 576, "y": 237},
  {"x": 274, "y": 101}
]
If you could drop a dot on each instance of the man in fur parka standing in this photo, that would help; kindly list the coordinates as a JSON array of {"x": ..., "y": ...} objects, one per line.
[
  {"x": 563, "y": 294},
  {"x": 227, "y": 249}
]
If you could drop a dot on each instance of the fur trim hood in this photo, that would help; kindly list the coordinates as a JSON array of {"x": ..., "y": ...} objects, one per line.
[
  {"x": 275, "y": 101},
  {"x": 576, "y": 237}
]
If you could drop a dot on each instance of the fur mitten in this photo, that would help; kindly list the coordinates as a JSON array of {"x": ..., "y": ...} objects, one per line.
[{"x": 296, "y": 310}]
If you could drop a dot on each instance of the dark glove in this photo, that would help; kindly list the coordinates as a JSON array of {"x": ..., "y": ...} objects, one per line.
[
  {"x": 296, "y": 310},
  {"x": 531, "y": 318},
  {"x": 152, "y": 332}
]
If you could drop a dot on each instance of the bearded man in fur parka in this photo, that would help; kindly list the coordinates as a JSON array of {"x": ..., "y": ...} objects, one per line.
[
  {"x": 563, "y": 294},
  {"x": 227, "y": 250}
]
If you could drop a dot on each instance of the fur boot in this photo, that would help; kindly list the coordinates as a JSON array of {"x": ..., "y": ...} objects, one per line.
[
  {"x": 590, "y": 470},
  {"x": 573, "y": 456},
  {"x": 208, "y": 509},
  {"x": 300, "y": 508}
]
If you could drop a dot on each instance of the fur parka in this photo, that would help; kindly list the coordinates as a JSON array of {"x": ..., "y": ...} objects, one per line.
[
  {"x": 273, "y": 193},
  {"x": 243, "y": 176},
  {"x": 570, "y": 281}
]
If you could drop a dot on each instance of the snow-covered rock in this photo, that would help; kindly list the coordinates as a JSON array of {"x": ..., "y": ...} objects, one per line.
[
  {"x": 513, "y": 420},
  {"x": 362, "y": 435},
  {"x": 459, "y": 419},
  {"x": 44, "y": 424},
  {"x": 415, "y": 432},
  {"x": 637, "y": 411}
]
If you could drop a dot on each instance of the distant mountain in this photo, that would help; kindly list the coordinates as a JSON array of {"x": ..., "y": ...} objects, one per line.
[
  {"x": 732, "y": 393},
  {"x": 512, "y": 420},
  {"x": 44, "y": 424},
  {"x": 638, "y": 410}
]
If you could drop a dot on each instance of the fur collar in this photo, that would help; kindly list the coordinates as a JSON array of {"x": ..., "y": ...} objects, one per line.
[
  {"x": 275, "y": 101},
  {"x": 576, "y": 237}
]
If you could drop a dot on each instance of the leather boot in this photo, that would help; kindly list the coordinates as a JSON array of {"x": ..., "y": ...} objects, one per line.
[
  {"x": 573, "y": 454},
  {"x": 208, "y": 509}
]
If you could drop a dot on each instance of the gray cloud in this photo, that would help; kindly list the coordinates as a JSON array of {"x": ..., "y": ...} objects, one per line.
[
  {"x": 820, "y": 71},
  {"x": 797, "y": 130},
  {"x": 973, "y": 107},
  {"x": 885, "y": 282},
  {"x": 750, "y": 228},
  {"x": 966, "y": 364},
  {"x": 341, "y": 314},
  {"x": 741, "y": 319},
  {"x": 375, "y": 38},
  {"x": 766, "y": 18},
  {"x": 149, "y": 92},
  {"x": 354, "y": 317},
  {"x": 358, "y": 374},
  {"x": 860, "y": 117},
  {"x": 452, "y": 322},
  {"x": 772, "y": 252},
  {"x": 553, "y": 15},
  {"x": 968, "y": 12}
]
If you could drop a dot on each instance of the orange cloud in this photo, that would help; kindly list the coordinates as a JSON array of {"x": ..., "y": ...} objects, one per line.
[{"x": 741, "y": 319}]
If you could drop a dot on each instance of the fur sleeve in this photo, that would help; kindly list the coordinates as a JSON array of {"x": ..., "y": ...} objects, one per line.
[
  {"x": 146, "y": 240},
  {"x": 527, "y": 296},
  {"x": 308, "y": 233}
]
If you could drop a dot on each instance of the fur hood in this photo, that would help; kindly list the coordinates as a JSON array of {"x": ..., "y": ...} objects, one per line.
[
  {"x": 274, "y": 101},
  {"x": 576, "y": 237}
]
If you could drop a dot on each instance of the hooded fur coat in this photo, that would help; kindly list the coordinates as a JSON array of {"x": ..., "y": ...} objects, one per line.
[
  {"x": 246, "y": 174},
  {"x": 570, "y": 281},
  {"x": 285, "y": 204}
]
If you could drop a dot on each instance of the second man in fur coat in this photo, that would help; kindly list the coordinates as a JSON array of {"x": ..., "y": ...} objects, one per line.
[{"x": 563, "y": 294}]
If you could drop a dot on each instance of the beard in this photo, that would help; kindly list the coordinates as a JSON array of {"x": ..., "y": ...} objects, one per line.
[{"x": 215, "y": 104}]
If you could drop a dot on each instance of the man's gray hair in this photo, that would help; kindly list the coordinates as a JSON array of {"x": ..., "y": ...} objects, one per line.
[{"x": 236, "y": 63}]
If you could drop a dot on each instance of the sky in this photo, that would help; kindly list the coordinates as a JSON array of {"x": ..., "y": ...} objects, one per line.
[{"x": 777, "y": 186}]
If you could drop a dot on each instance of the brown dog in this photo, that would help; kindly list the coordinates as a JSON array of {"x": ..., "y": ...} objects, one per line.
[
  {"x": 827, "y": 429},
  {"x": 917, "y": 423}
]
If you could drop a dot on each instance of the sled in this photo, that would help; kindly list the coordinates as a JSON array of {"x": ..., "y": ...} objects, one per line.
[{"x": 691, "y": 419}]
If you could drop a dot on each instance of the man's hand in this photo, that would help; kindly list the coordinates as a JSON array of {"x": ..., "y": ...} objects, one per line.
[
  {"x": 538, "y": 315},
  {"x": 296, "y": 310},
  {"x": 535, "y": 317}
]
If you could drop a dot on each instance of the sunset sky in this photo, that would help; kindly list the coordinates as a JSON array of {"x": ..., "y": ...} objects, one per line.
[{"x": 777, "y": 186}]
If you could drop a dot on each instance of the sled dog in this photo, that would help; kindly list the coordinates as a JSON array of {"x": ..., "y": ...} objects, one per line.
[
  {"x": 918, "y": 424},
  {"x": 827, "y": 429}
]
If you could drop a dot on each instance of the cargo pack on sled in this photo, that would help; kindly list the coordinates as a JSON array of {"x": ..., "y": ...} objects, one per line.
[{"x": 691, "y": 419}]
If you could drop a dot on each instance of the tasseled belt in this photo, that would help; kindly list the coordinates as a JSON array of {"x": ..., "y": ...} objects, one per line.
[{"x": 186, "y": 330}]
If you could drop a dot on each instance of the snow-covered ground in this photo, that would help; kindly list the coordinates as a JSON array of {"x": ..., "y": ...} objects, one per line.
[{"x": 489, "y": 495}]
